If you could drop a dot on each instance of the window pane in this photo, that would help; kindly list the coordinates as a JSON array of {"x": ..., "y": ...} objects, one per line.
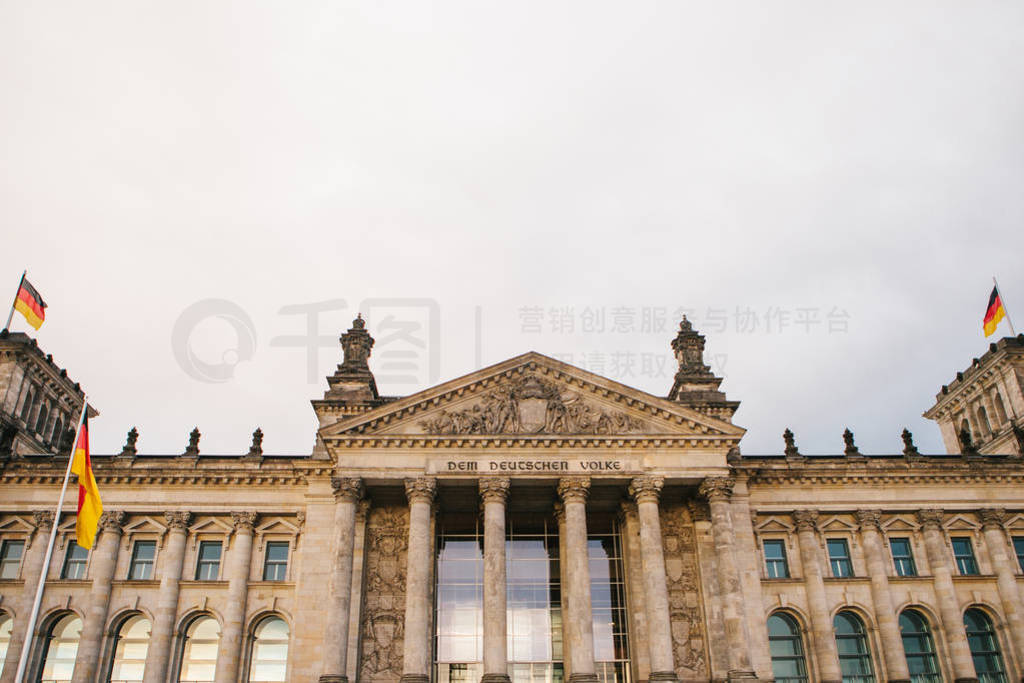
[
  {"x": 130, "y": 653},
  {"x": 62, "y": 649},
  {"x": 199, "y": 658},
  {"x": 5, "y": 638},
  {"x": 269, "y": 651},
  {"x": 10, "y": 559}
]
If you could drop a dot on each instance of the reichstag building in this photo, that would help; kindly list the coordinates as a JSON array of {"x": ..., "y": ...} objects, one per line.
[{"x": 530, "y": 522}]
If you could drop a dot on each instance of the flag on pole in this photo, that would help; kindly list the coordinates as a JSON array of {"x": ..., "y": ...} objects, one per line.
[
  {"x": 90, "y": 507},
  {"x": 30, "y": 304},
  {"x": 994, "y": 313}
]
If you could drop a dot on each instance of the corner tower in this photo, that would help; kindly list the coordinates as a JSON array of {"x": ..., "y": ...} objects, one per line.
[{"x": 695, "y": 386}]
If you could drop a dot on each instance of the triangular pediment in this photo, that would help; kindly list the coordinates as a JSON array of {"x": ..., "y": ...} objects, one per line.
[{"x": 533, "y": 396}]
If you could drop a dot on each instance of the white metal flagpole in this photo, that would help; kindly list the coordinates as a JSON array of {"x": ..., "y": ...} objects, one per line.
[
  {"x": 1009, "y": 322},
  {"x": 23, "y": 660},
  {"x": 10, "y": 316}
]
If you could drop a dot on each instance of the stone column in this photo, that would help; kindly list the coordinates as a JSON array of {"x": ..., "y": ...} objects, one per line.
[
  {"x": 32, "y": 566},
  {"x": 578, "y": 621},
  {"x": 822, "y": 631},
  {"x": 494, "y": 494},
  {"x": 104, "y": 562},
  {"x": 416, "y": 648},
  {"x": 645, "y": 491},
  {"x": 717, "y": 490},
  {"x": 563, "y": 581},
  {"x": 633, "y": 559},
  {"x": 885, "y": 614},
  {"x": 230, "y": 652},
  {"x": 992, "y": 524},
  {"x": 172, "y": 559},
  {"x": 949, "y": 605},
  {"x": 347, "y": 493}
]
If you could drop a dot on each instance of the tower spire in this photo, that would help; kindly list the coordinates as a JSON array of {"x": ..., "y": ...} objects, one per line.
[{"x": 695, "y": 385}]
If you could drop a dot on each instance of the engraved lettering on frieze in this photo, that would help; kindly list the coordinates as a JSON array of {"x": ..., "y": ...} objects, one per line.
[
  {"x": 684, "y": 596},
  {"x": 382, "y": 625},
  {"x": 530, "y": 405}
]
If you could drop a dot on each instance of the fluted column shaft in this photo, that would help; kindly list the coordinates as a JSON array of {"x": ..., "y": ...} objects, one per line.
[
  {"x": 347, "y": 493},
  {"x": 172, "y": 560},
  {"x": 949, "y": 606},
  {"x": 104, "y": 562},
  {"x": 717, "y": 490},
  {"x": 885, "y": 614},
  {"x": 578, "y": 622},
  {"x": 494, "y": 494},
  {"x": 993, "y": 521},
  {"x": 32, "y": 566},
  {"x": 416, "y": 648},
  {"x": 230, "y": 651},
  {"x": 822, "y": 631},
  {"x": 646, "y": 491}
]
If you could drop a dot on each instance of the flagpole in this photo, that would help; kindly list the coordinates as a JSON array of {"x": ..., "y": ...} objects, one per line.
[
  {"x": 1013, "y": 332},
  {"x": 10, "y": 316},
  {"x": 23, "y": 660}
]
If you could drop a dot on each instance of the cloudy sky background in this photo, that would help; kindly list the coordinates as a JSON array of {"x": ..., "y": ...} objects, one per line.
[{"x": 862, "y": 161}]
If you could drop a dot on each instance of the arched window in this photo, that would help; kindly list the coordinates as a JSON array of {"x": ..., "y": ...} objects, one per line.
[
  {"x": 44, "y": 415},
  {"x": 269, "y": 658},
  {"x": 199, "y": 656},
  {"x": 61, "y": 649},
  {"x": 130, "y": 652},
  {"x": 58, "y": 430},
  {"x": 919, "y": 648},
  {"x": 852, "y": 643},
  {"x": 26, "y": 408},
  {"x": 5, "y": 637},
  {"x": 787, "y": 649},
  {"x": 981, "y": 638},
  {"x": 986, "y": 426},
  {"x": 997, "y": 401}
]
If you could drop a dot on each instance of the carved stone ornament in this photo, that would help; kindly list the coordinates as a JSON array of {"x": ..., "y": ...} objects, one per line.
[
  {"x": 347, "y": 488},
  {"x": 699, "y": 510},
  {"x": 42, "y": 519},
  {"x": 421, "y": 489},
  {"x": 646, "y": 489},
  {"x": 494, "y": 489},
  {"x": 244, "y": 521},
  {"x": 574, "y": 489},
  {"x": 531, "y": 405},
  {"x": 806, "y": 520},
  {"x": 869, "y": 519},
  {"x": 790, "y": 441},
  {"x": 112, "y": 520},
  {"x": 129, "y": 450},
  {"x": 382, "y": 630},
  {"x": 178, "y": 520},
  {"x": 851, "y": 448},
  {"x": 993, "y": 518},
  {"x": 559, "y": 512},
  {"x": 931, "y": 518},
  {"x": 192, "y": 450},
  {"x": 909, "y": 449},
  {"x": 716, "y": 488},
  {"x": 256, "y": 448}
]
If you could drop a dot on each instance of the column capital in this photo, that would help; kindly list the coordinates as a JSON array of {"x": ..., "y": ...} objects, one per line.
[
  {"x": 806, "y": 520},
  {"x": 349, "y": 489},
  {"x": 992, "y": 518},
  {"x": 494, "y": 489},
  {"x": 421, "y": 489},
  {"x": 178, "y": 520},
  {"x": 646, "y": 489},
  {"x": 42, "y": 519},
  {"x": 930, "y": 518},
  {"x": 244, "y": 521},
  {"x": 717, "y": 488},
  {"x": 112, "y": 520},
  {"x": 574, "y": 489},
  {"x": 869, "y": 520}
]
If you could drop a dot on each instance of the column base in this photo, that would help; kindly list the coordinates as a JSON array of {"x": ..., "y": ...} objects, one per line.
[
  {"x": 414, "y": 678},
  {"x": 583, "y": 678},
  {"x": 495, "y": 678},
  {"x": 740, "y": 675},
  {"x": 965, "y": 680},
  {"x": 331, "y": 678},
  {"x": 664, "y": 676},
  {"x": 899, "y": 680}
]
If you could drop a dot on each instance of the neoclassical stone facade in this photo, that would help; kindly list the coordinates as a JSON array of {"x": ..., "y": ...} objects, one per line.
[{"x": 528, "y": 522}]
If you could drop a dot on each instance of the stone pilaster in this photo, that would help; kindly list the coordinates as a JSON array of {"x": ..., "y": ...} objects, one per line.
[
  {"x": 633, "y": 559},
  {"x": 240, "y": 555},
  {"x": 645, "y": 491},
  {"x": 822, "y": 635},
  {"x": 172, "y": 560},
  {"x": 347, "y": 493},
  {"x": 104, "y": 562},
  {"x": 717, "y": 490},
  {"x": 949, "y": 606},
  {"x": 993, "y": 522},
  {"x": 494, "y": 495},
  {"x": 885, "y": 614},
  {"x": 578, "y": 622},
  {"x": 32, "y": 566},
  {"x": 416, "y": 648},
  {"x": 563, "y": 579}
]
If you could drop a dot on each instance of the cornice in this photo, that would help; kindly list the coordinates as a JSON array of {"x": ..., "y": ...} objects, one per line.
[
  {"x": 890, "y": 479},
  {"x": 532, "y": 442},
  {"x": 173, "y": 474}
]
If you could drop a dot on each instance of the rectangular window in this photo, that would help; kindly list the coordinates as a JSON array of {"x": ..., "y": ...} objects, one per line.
[
  {"x": 10, "y": 558},
  {"x": 208, "y": 565},
  {"x": 1018, "y": 547},
  {"x": 839, "y": 557},
  {"x": 903, "y": 557},
  {"x": 275, "y": 567},
  {"x": 963, "y": 552},
  {"x": 143, "y": 555},
  {"x": 775, "y": 565},
  {"x": 74, "y": 562}
]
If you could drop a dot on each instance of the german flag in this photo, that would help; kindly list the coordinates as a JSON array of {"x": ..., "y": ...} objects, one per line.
[
  {"x": 994, "y": 313},
  {"x": 90, "y": 507},
  {"x": 30, "y": 304}
]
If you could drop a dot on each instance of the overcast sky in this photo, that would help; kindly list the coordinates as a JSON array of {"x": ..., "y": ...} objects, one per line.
[{"x": 827, "y": 187}]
